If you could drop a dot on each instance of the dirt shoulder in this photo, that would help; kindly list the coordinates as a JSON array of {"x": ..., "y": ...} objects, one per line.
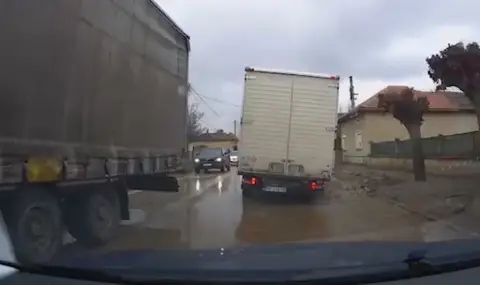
[{"x": 454, "y": 200}]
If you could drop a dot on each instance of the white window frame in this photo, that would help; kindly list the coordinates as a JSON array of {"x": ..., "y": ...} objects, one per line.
[{"x": 358, "y": 140}]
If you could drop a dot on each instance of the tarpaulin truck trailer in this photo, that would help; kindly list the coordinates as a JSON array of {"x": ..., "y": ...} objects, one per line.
[
  {"x": 93, "y": 100},
  {"x": 287, "y": 131}
]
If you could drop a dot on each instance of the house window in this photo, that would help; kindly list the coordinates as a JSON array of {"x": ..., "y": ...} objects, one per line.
[
  {"x": 358, "y": 140},
  {"x": 344, "y": 146}
]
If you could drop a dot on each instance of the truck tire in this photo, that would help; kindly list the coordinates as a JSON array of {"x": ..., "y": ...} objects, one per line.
[
  {"x": 123, "y": 199},
  {"x": 34, "y": 221},
  {"x": 93, "y": 218}
]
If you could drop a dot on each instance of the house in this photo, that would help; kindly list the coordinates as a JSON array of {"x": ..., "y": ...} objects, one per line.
[
  {"x": 449, "y": 113},
  {"x": 217, "y": 139}
]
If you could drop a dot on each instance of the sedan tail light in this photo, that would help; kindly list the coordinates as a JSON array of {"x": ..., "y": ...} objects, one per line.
[
  {"x": 314, "y": 185},
  {"x": 250, "y": 180}
]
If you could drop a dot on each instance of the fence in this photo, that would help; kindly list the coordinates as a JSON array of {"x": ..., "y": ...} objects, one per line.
[{"x": 459, "y": 146}]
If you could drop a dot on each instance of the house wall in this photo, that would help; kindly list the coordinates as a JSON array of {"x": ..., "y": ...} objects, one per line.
[
  {"x": 352, "y": 151},
  {"x": 377, "y": 127},
  {"x": 383, "y": 127}
]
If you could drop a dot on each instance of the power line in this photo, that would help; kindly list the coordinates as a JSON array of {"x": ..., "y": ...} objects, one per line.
[
  {"x": 221, "y": 101},
  {"x": 214, "y": 99},
  {"x": 206, "y": 104},
  {"x": 203, "y": 100}
]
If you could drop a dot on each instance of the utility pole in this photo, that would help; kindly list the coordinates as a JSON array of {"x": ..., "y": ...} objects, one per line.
[
  {"x": 235, "y": 127},
  {"x": 353, "y": 95}
]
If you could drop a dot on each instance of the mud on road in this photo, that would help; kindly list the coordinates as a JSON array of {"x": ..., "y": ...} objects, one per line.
[{"x": 210, "y": 212}]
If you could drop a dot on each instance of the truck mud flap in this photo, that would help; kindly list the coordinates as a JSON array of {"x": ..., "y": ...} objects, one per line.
[{"x": 152, "y": 182}]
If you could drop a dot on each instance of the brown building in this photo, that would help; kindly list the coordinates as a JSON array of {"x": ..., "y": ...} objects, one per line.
[{"x": 449, "y": 113}]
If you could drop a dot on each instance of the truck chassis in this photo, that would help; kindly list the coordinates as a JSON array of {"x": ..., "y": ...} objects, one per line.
[{"x": 37, "y": 214}]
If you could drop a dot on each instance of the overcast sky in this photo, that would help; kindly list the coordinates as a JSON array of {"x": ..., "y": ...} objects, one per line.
[{"x": 378, "y": 42}]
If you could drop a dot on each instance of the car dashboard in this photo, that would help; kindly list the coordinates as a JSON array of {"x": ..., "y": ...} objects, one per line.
[{"x": 464, "y": 277}]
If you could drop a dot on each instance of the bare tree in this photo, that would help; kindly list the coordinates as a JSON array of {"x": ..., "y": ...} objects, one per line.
[
  {"x": 195, "y": 126},
  {"x": 409, "y": 111},
  {"x": 459, "y": 66}
]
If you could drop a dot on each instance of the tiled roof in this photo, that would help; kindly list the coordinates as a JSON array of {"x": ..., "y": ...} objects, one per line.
[
  {"x": 440, "y": 101},
  {"x": 446, "y": 100},
  {"x": 216, "y": 137}
]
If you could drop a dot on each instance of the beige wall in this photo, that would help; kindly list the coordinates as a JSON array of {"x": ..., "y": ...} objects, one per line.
[
  {"x": 351, "y": 152},
  {"x": 383, "y": 127},
  {"x": 377, "y": 127}
]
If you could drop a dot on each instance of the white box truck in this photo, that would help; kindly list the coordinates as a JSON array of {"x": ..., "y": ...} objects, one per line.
[{"x": 287, "y": 131}]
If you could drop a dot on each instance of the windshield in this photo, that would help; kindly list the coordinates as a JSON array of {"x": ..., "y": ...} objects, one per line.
[
  {"x": 117, "y": 120},
  {"x": 208, "y": 152}
]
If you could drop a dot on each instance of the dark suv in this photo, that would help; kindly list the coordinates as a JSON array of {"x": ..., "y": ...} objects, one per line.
[{"x": 212, "y": 158}]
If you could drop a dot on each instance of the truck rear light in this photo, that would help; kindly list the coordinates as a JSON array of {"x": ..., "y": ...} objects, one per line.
[
  {"x": 313, "y": 185},
  {"x": 253, "y": 180}
]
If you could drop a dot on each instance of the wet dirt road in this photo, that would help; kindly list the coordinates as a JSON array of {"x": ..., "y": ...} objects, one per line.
[{"x": 210, "y": 212}]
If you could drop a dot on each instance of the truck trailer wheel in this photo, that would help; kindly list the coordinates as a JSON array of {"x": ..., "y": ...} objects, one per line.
[
  {"x": 34, "y": 220},
  {"x": 93, "y": 218}
]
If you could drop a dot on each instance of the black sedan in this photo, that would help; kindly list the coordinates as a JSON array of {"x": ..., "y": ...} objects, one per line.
[{"x": 212, "y": 158}]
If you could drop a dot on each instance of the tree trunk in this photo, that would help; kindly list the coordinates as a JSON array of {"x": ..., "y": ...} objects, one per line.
[{"x": 418, "y": 159}]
